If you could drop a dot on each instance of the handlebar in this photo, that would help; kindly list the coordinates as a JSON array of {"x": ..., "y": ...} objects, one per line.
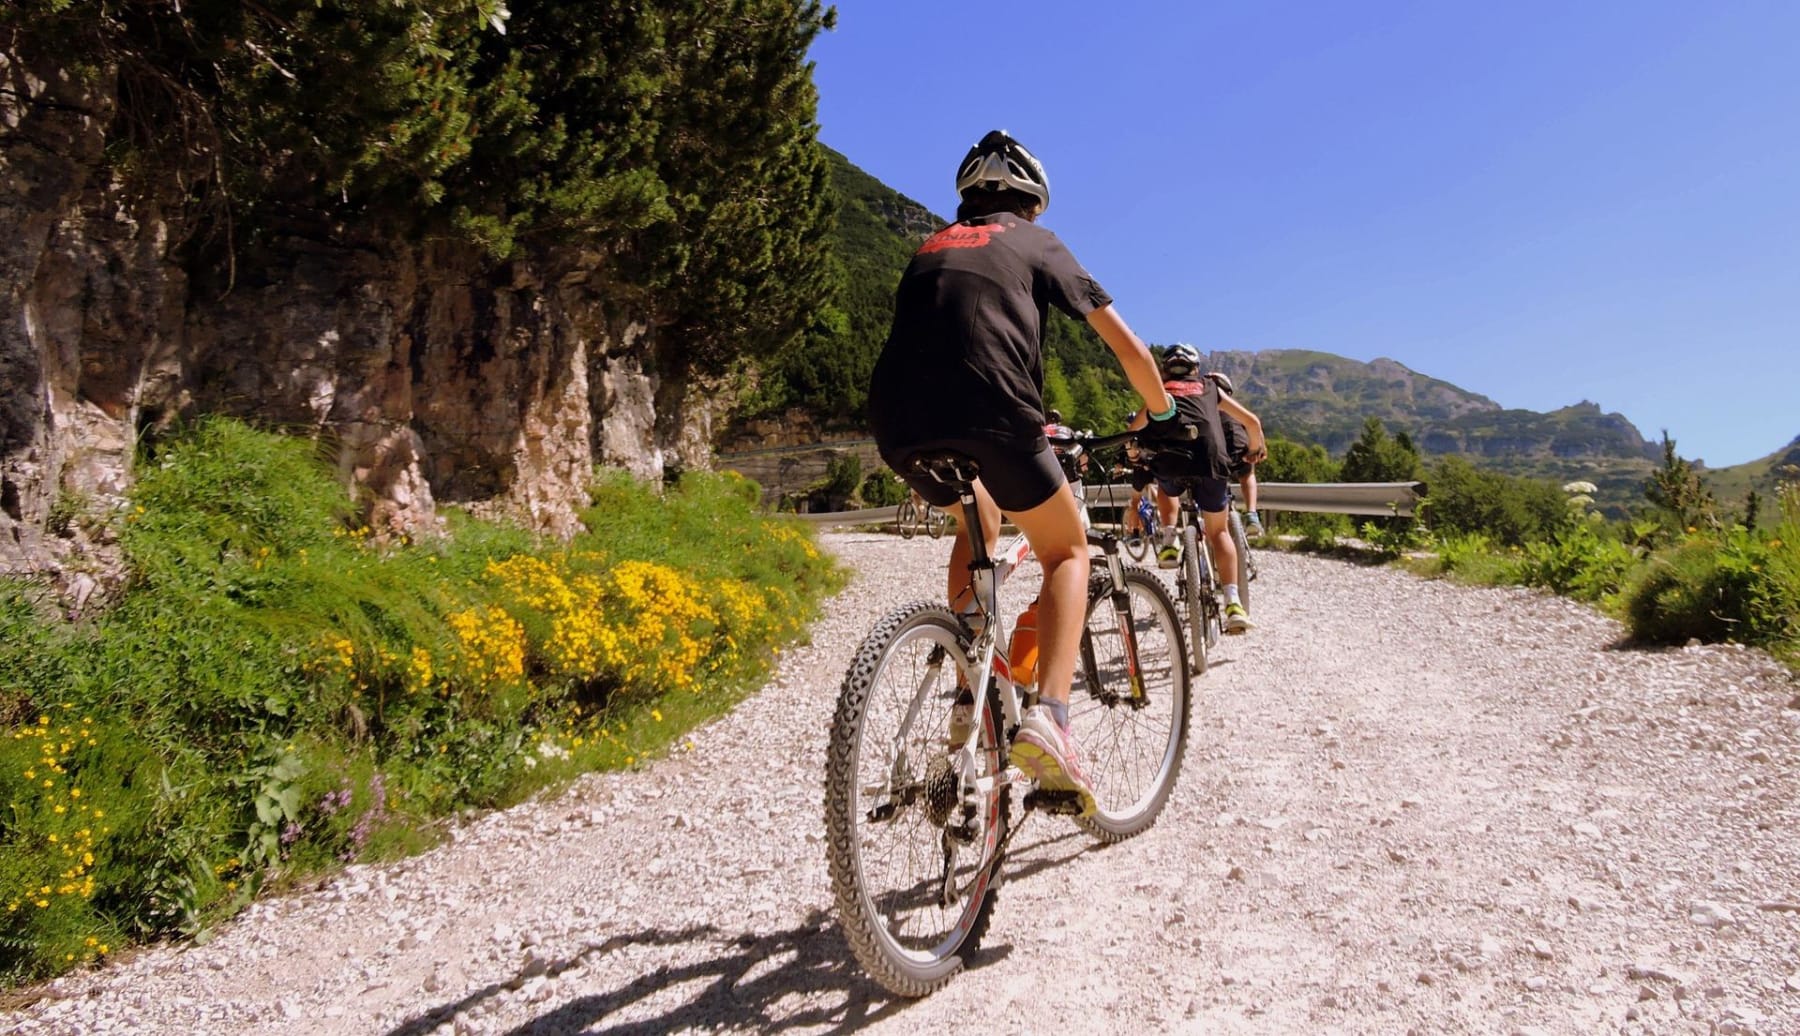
[{"x": 1077, "y": 443}]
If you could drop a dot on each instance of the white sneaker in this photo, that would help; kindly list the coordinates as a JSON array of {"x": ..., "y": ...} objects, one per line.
[{"x": 1047, "y": 754}]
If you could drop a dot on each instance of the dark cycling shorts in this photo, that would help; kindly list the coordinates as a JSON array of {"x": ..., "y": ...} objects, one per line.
[
  {"x": 1018, "y": 480},
  {"x": 1211, "y": 494},
  {"x": 1139, "y": 478}
]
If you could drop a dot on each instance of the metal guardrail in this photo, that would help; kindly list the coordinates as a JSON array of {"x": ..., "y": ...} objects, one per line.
[{"x": 1361, "y": 498}]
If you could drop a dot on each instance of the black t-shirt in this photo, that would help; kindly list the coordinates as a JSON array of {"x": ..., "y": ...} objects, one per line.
[
  {"x": 1196, "y": 404},
  {"x": 964, "y": 358}
]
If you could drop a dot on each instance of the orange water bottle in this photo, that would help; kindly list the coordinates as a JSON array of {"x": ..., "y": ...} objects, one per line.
[{"x": 1022, "y": 656}]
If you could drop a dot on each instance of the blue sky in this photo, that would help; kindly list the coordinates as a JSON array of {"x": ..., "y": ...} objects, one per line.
[{"x": 1542, "y": 203}]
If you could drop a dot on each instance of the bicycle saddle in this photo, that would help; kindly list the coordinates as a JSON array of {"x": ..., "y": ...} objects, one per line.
[{"x": 945, "y": 466}]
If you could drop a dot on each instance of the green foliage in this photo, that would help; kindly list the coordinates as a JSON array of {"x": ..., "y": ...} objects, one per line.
[
  {"x": 1392, "y": 539},
  {"x": 1296, "y": 462},
  {"x": 1510, "y": 511},
  {"x": 1734, "y": 584},
  {"x": 673, "y": 139},
  {"x": 274, "y": 696},
  {"x": 1377, "y": 457},
  {"x": 1471, "y": 558},
  {"x": 1679, "y": 493},
  {"x": 1317, "y": 532},
  {"x": 826, "y": 371},
  {"x": 843, "y": 474},
  {"x": 1578, "y": 562},
  {"x": 883, "y": 489}
]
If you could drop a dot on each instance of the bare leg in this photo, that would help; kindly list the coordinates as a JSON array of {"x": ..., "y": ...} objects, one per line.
[
  {"x": 1224, "y": 551},
  {"x": 957, "y": 585},
  {"x": 1060, "y": 543}
]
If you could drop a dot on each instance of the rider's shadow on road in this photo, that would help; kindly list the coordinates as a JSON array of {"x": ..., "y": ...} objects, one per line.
[{"x": 735, "y": 987}]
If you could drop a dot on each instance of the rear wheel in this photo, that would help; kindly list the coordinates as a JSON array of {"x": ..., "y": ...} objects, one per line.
[
  {"x": 913, "y": 849},
  {"x": 1131, "y": 731}
]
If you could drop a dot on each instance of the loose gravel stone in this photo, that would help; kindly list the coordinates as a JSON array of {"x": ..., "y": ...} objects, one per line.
[{"x": 1406, "y": 806}]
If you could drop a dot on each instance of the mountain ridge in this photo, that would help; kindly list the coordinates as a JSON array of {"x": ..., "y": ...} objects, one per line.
[{"x": 1309, "y": 395}]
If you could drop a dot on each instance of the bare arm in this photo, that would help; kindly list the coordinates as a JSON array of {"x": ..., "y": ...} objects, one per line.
[
  {"x": 1259, "y": 448},
  {"x": 1139, "y": 365}
]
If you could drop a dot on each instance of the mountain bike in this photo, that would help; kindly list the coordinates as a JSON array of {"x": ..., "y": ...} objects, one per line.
[
  {"x": 910, "y": 520},
  {"x": 918, "y": 786},
  {"x": 1198, "y": 591}
]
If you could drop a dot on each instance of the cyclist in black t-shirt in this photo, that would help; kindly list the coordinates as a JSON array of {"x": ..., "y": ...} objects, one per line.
[
  {"x": 963, "y": 369},
  {"x": 1203, "y": 469}
]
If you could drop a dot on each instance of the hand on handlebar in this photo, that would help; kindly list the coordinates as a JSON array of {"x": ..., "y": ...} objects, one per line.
[{"x": 1170, "y": 429}]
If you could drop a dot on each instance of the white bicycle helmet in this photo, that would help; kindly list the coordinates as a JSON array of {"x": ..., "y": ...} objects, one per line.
[
  {"x": 1000, "y": 163},
  {"x": 1180, "y": 360},
  {"x": 1224, "y": 382}
]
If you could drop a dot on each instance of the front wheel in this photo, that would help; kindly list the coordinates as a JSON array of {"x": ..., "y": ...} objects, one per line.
[
  {"x": 913, "y": 846},
  {"x": 1129, "y": 714}
]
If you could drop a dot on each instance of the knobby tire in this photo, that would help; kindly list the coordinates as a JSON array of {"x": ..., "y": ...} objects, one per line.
[
  {"x": 885, "y": 813},
  {"x": 1133, "y": 745}
]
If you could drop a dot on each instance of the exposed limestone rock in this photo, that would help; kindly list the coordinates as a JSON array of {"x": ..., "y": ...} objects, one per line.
[{"x": 429, "y": 375}]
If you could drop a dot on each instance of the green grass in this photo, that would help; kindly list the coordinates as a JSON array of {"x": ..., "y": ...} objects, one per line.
[{"x": 274, "y": 695}]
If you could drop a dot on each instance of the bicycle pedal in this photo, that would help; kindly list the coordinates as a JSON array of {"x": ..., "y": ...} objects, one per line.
[{"x": 1053, "y": 801}]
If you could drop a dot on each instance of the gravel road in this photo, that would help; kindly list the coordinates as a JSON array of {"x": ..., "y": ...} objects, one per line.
[{"x": 1407, "y": 807}]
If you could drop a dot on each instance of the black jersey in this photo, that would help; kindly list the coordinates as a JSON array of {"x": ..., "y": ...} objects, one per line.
[
  {"x": 1196, "y": 405},
  {"x": 964, "y": 358}
]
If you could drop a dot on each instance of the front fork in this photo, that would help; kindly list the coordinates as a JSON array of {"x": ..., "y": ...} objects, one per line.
[{"x": 1120, "y": 598}]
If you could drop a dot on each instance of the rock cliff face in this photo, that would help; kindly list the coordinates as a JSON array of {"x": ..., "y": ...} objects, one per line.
[{"x": 431, "y": 375}]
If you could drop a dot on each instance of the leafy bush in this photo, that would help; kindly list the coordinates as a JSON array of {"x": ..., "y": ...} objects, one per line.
[
  {"x": 1579, "y": 562},
  {"x": 883, "y": 489},
  {"x": 1510, "y": 511},
  {"x": 274, "y": 695},
  {"x": 1735, "y": 585},
  {"x": 1472, "y": 558}
]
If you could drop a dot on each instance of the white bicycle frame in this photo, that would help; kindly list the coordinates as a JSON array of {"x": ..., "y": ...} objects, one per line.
[{"x": 986, "y": 663}]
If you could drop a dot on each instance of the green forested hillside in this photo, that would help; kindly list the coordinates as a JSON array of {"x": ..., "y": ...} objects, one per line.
[{"x": 825, "y": 375}]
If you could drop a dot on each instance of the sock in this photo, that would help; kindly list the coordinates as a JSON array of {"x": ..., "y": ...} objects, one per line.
[
  {"x": 1231, "y": 593},
  {"x": 1059, "y": 711}
]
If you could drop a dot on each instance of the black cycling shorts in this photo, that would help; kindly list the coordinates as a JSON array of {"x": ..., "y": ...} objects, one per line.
[
  {"x": 1018, "y": 480},
  {"x": 1210, "y": 494}
]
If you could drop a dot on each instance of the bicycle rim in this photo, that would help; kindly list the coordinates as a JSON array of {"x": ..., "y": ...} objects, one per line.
[
  {"x": 1197, "y": 597},
  {"x": 893, "y": 813},
  {"x": 1133, "y": 746},
  {"x": 1246, "y": 571}
]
